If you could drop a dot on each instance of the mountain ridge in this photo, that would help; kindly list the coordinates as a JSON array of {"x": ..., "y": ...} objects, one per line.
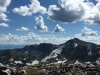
[{"x": 71, "y": 51}]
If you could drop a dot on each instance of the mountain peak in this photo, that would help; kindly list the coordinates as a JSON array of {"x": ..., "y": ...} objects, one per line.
[
  {"x": 76, "y": 39},
  {"x": 79, "y": 42}
]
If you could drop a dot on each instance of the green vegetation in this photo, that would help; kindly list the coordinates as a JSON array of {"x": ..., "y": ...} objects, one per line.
[
  {"x": 32, "y": 72},
  {"x": 75, "y": 72},
  {"x": 18, "y": 69},
  {"x": 30, "y": 57}
]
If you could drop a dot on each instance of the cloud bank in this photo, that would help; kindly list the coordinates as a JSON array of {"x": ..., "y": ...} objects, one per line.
[{"x": 30, "y": 38}]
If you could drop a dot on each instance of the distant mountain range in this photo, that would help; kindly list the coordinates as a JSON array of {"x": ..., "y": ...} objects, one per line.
[
  {"x": 3, "y": 47},
  {"x": 69, "y": 51}
]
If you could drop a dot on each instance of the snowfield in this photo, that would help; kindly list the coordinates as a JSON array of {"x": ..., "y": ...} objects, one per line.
[{"x": 54, "y": 53}]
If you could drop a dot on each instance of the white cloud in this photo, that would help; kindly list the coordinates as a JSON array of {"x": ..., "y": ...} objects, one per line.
[
  {"x": 87, "y": 32},
  {"x": 3, "y": 17},
  {"x": 58, "y": 28},
  {"x": 75, "y": 10},
  {"x": 3, "y": 8},
  {"x": 92, "y": 16},
  {"x": 22, "y": 29},
  {"x": 13, "y": 39},
  {"x": 4, "y": 4},
  {"x": 4, "y": 25},
  {"x": 34, "y": 7},
  {"x": 93, "y": 39},
  {"x": 33, "y": 38},
  {"x": 88, "y": 35},
  {"x": 30, "y": 38},
  {"x": 40, "y": 25},
  {"x": 67, "y": 11}
]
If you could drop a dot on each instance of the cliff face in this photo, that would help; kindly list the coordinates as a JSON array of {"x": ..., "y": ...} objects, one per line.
[{"x": 70, "y": 51}]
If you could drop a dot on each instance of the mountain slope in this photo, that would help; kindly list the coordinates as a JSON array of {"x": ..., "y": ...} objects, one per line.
[{"x": 73, "y": 50}]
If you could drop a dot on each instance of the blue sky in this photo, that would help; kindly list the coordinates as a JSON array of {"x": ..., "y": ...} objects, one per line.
[{"x": 50, "y": 21}]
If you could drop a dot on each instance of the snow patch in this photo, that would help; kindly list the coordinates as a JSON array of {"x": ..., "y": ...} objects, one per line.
[
  {"x": 11, "y": 59},
  {"x": 77, "y": 62},
  {"x": 1, "y": 65},
  {"x": 54, "y": 53},
  {"x": 88, "y": 47},
  {"x": 90, "y": 53},
  {"x": 98, "y": 61},
  {"x": 26, "y": 52},
  {"x": 64, "y": 58},
  {"x": 18, "y": 62},
  {"x": 58, "y": 62},
  {"x": 24, "y": 59},
  {"x": 33, "y": 63},
  {"x": 62, "y": 61},
  {"x": 99, "y": 52},
  {"x": 75, "y": 44}
]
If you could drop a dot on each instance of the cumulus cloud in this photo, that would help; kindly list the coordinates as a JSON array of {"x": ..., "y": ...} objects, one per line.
[
  {"x": 34, "y": 7},
  {"x": 4, "y": 4},
  {"x": 87, "y": 32},
  {"x": 92, "y": 16},
  {"x": 30, "y": 38},
  {"x": 58, "y": 28},
  {"x": 22, "y": 29},
  {"x": 3, "y": 8},
  {"x": 40, "y": 25},
  {"x": 75, "y": 10},
  {"x": 4, "y": 25},
  {"x": 67, "y": 11},
  {"x": 88, "y": 35},
  {"x": 3, "y": 17}
]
